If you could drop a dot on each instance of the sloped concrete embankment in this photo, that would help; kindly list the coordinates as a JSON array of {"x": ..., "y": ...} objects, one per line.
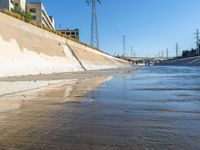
[
  {"x": 192, "y": 61},
  {"x": 28, "y": 50}
]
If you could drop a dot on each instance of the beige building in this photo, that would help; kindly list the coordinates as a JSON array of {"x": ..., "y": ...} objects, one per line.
[
  {"x": 10, "y": 4},
  {"x": 72, "y": 33},
  {"x": 39, "y": 14}
]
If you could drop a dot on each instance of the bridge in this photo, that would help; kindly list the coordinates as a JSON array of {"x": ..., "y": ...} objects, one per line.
[{"x": 145, "y": 60}]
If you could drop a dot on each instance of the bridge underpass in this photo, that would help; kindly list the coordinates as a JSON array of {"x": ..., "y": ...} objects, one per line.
[{"x": 145, "y": 60}]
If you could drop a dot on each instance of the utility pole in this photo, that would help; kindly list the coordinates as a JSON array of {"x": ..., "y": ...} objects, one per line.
[
  {"x": 124, "y": 45},
  {"x": 167, "y": 53},
  {"x": 59, "y": 26},
  {"x": 131, "y": 51},
  {"x": 197, "y": 41},
  {"x": 94, "y": 39},
  {"x": 177, "y": 48}
]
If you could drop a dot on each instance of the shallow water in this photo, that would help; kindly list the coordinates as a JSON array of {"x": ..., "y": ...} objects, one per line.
[
  {"x": 152, "y": 108},
  {"x": 149, "y": 108}
]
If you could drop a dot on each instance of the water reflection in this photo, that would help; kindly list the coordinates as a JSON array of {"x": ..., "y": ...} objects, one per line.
[
  {"x": 68, "y": 90},
  {"x": 30, "y": 119},
  {"x": 151, "y": 108}
]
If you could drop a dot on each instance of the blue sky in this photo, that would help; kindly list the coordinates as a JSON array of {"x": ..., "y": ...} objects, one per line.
[{"x": 150, "y": 26}]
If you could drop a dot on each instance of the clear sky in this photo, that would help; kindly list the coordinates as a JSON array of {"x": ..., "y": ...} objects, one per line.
[{"x": 150, "y": 26}]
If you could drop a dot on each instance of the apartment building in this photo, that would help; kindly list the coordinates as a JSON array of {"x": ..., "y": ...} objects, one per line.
[
  {"x": 40, "y": 15},
  {"x": 72, "y": 33},
  {"x": 10, "y": 4}
]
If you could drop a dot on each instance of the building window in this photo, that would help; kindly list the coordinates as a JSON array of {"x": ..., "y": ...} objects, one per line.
[
  {"x": 73, "y": 33},
  {"x": 34, "y": 17},
  {"x": 32, "y": 10}
]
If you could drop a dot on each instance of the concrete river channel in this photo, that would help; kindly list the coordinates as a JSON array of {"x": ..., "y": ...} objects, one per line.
[{"x": 150, "y": 108}]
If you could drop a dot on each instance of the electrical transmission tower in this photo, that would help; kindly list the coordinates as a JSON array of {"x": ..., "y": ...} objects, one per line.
[
  {"x": 162, "y": 54},
  {"x": 124, "y": 45},
  {"x": 197, "y": 42},
  {"x": 131, "y": 51},
  {"x": 167, "y": 53},
  {"x": 94, "y": 41},
  {"x": 177, "y": 48}
]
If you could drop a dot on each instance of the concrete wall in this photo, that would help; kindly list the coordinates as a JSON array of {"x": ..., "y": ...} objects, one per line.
[
  {"x": 92, "y": 59},
  {"x": 29, "y": 50},
  {"x": 23, "y": 4},
  {"x": 192, "y": 61}
]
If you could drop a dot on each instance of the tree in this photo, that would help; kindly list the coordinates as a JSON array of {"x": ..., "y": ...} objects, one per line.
[{"x": 27, "y": 16}]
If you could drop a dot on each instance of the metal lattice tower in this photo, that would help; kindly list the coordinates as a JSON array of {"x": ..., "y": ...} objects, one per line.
[
  {"x": 131, "y": 51},
  {"x": 197, "y": 41},
  {"x": 94, "y": 41},
  {"x": 124, "y": 45},
  {"x": 177, "y": 49},
  {"x": 167, "y": 53}
]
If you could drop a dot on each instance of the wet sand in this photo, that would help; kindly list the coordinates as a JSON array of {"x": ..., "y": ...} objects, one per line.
[
  {"x": 41, "y": 118},
  {"x": 150, "y": 108},
  {"x": 70, "y": 75}
]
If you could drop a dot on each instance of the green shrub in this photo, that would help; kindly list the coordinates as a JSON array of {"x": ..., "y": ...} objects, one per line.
[{"x": 27, "y": 17}]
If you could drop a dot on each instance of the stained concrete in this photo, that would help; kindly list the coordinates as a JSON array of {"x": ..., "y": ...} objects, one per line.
[{"x": 29, "y": 50}]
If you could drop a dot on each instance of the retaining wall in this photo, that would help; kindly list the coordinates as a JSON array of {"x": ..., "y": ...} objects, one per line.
[
  {"x": 29, "y": 50},
  {"x": 192, "y": 61}
]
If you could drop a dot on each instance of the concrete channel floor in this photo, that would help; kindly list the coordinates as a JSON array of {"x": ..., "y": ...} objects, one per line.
[
  {"x": 55, "y": 117},
  {"x": 126, "y": 113}
]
